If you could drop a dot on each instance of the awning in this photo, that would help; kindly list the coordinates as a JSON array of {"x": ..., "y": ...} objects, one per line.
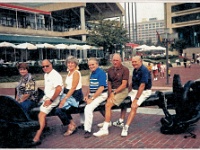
[
  {"x": 25, "y": 9},
  {"x": 17, "y": 39}
]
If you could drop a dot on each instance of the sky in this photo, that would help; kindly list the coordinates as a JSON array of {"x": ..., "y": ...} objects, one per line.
[{"x": 147, "y": 10}]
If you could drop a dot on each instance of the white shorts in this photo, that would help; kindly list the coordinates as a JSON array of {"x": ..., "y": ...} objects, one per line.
[
  {"x": 145, "y": 94},
  {"x": 48, "y": 109}
]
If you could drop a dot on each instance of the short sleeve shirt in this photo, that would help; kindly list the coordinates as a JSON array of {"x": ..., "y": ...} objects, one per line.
[
  {"x": 141, "y": 75},
  {"x": 117, "y": 75},
  {"x": 97, "y": 79},
  {"x": 27, "y": 85},
  {"x": 52, "y": 80}
]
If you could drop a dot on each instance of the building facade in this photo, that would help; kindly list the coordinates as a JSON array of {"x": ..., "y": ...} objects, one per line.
[
  {"x": 147, "y": 31},
  {"x": 66, "y": 20},
  {"x": 184, "y": 19}
]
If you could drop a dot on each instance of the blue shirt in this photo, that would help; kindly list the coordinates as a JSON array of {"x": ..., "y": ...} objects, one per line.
[
  {"x": 97, "y": 79},
  {"x": 142, "y": 75}
]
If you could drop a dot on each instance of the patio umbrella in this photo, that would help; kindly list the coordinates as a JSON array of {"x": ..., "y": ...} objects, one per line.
[
  {"x": 26, "y": 46},
  {"x": 8, "y": 45},
  {"x": 85, "y": 47},
  {"x": 45, "y": 46},
  {"x": 61, "y": 47}
]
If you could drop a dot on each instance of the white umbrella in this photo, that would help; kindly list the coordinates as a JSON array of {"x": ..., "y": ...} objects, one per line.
[
  {"x": 74, "y": 46},
  {"x": 26, "y": 46},
  {"x": 45, "y": 46},
  {"x": 8, "y": 45},
  {"x": 85, "y": 47},
  {"x": 61, "y": 47}
]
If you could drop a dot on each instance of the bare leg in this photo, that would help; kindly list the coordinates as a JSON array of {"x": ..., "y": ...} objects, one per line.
[
  {"x": 123, "y": 113},
  {"x": 132, "y": 113},
  {"x": 42, "y": 122},
  {"x": 108, "y": 106}
]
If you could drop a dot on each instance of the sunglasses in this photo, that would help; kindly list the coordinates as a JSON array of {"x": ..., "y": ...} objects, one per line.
[{"x": 45, "y": 66}]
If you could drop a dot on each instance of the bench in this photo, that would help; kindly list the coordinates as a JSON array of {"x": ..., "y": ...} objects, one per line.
[{"x": 154, "y": 99}]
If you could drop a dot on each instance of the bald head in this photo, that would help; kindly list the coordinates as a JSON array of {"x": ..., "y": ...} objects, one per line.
[
  {"x": 116, "y": 60},
  {"x": 136, "y": 62}
]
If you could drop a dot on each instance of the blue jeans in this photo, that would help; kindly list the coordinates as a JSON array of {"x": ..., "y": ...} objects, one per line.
[
  {"x": 60, "y": 112},
  {"x": 27, "y": 105}
]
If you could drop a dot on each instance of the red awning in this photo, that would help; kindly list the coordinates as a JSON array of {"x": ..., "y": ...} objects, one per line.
[
  {"x": 132, "y": 45},
  {"x": 26, "y": 9}
]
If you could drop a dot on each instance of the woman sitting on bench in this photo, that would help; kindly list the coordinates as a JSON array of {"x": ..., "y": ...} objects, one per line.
[{"x": 71, "y": 96}]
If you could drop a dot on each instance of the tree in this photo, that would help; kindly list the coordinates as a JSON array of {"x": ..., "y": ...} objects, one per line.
[
  {"x": 180, "y": 45},
  {"x": 108, "y": 34}
]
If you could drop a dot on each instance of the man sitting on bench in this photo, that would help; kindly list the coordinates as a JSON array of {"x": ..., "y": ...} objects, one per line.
[
  {"x": 118, "y": 76},
  {"x": 141, "y": 90}
]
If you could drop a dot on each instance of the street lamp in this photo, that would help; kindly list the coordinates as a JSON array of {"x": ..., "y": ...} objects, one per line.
[
  {"x": 168, "y": 38},
  {"x": 166, "y": 31}
]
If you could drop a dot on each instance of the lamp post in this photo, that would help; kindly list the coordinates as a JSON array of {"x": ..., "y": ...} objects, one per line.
[{"x": 167, "y": 55}]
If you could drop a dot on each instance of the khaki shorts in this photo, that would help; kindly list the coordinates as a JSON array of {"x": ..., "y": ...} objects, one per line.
[
  {"x": 145, "y": 94},
  {"x": 119, "y": 97},
  {"x": 47, "y": 110}
]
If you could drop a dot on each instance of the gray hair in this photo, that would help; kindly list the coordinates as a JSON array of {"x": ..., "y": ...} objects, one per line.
[
  {"x": 71, "y": 59},
  {"x": 94, "y": 59}
]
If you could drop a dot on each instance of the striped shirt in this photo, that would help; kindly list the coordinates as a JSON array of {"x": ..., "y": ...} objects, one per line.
[{"x": 97, "y": 79}]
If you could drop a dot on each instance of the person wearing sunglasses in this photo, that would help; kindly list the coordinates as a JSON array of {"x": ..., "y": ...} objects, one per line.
[
  {"x": 26, "y": 93},
  {"x": 72, "y": 95},
  {"x": 52, "y": 90}
]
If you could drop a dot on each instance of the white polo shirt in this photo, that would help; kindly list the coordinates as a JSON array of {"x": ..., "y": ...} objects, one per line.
[{"x": 52, "y": 80}]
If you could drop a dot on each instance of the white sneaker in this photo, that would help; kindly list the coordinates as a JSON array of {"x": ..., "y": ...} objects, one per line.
[
  {"x": 101, "y": 132},
  {"x": 124, "y": 131},
  {"x": 100, "y": 125},
  {"x": 118, "y": 124}
]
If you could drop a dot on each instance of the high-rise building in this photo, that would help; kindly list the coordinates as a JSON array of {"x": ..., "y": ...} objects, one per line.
[
  {"x": 147, "y": 31},
  {"x": 184, "y": 19}
]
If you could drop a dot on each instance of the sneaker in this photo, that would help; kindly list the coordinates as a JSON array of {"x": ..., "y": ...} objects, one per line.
[
  {"x": 87, "y": 134},
  {"x": 101, "y": 132},
  {"x": 118, "y": 124},
  {"x": 124, "y": 131},
  {"x": 100, "y": 125}
]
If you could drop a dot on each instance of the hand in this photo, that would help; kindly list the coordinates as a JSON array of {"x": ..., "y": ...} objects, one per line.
[
  {"x": 88, "y": 101},
  {"x": 47, "y": 103},
  {"x": 85, "y": 98},
  {"x": 62, "y": 102},
  {"x": 111, "y": 99}
]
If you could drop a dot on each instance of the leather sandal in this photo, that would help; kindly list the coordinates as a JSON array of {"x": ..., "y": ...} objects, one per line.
[{"x": 70, "y": 131}]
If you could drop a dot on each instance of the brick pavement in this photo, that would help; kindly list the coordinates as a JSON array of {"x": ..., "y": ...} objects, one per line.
[{"x": 144, "y": 131}]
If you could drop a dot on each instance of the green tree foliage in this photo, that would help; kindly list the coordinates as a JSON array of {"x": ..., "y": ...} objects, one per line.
[{"x": 108, "y": 34}]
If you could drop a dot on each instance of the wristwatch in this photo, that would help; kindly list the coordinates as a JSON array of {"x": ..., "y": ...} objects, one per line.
[
  {"x": 137, "y": 98},
  {"x": 51, "y": 100},
  {"x": 114, "y": 92}
]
